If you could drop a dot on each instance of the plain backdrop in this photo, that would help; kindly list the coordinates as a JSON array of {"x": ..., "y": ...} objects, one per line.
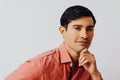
[{"x": 30, "y": 27}]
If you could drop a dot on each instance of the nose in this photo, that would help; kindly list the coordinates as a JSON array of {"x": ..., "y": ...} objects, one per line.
[{"x": 83, "y": 34}]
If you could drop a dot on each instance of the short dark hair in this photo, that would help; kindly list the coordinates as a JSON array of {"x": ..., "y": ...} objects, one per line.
[{"x": 75, "y": 12}]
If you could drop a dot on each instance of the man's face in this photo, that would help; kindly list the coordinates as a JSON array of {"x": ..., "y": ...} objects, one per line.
[{"x": 79, "y": 34}]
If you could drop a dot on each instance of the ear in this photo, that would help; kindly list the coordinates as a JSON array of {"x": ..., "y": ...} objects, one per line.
[{"x": 62, "y": 30}]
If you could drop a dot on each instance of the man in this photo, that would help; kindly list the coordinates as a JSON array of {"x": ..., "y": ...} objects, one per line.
[{"x": 72, "y": 59}]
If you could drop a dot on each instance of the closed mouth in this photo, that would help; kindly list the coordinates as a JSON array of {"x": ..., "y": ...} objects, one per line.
[{"x": 83, "y": 43}]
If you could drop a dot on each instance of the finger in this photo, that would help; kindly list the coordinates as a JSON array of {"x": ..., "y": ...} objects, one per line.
[
  {"x": 81, "y": 61},
  {"x": 89, "y": 57},
  {"x": 83, "y": 53},
  {"x": 84, "y": 50},
  {"x": 93, "y": 58},
  {"x": 82, "y": 58},
  {"x": 85, "y": 62}
]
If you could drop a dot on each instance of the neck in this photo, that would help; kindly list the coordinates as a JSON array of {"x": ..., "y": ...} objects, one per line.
[{"x": 74, "y": 55}]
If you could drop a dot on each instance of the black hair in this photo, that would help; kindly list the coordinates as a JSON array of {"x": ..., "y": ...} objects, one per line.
[{"x": 75, "y": 12}]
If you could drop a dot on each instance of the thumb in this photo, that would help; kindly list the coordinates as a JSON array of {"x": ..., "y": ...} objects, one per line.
[{"x": 85, "y": 50}]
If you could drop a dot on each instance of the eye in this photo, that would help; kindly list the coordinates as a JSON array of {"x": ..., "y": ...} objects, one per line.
[
  {"x": 90, "y": 28},
  {"x": 77, "y": 28}
]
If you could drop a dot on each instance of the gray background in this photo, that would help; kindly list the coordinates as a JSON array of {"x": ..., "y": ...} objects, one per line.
[{"x": 29, "y": 27}]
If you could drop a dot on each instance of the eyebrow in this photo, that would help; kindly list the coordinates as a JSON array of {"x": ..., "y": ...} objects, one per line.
[
  {"x": 92, "y": 26},
  {"x": 77, "y": 25}
]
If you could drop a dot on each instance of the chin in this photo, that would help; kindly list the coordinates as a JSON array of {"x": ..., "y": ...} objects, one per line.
[{"x": 80, "y": 49}]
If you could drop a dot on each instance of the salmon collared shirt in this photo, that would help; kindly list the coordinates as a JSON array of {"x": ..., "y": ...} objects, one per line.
[{"x": 51, "y": 65}]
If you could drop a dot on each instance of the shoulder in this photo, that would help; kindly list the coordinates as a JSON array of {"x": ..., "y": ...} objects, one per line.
[
  {"x": 34, "y": 67},
  {"x": 46, "y": 58}
]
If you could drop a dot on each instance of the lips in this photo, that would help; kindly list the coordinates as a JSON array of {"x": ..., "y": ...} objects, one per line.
[{"x": 83, "y": 43}]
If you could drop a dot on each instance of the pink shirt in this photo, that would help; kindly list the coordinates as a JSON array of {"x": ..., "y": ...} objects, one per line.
[{"x": 51, "y": 65}]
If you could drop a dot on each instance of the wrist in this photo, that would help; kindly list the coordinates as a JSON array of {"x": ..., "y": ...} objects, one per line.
[{"x": 96, "y": 76}]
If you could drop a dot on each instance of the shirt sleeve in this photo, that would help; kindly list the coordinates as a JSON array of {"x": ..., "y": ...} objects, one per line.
[{"x": 27, "y": 71}]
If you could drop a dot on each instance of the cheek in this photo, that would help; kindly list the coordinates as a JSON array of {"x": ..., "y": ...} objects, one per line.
[
  {"x": 69, "y": 36},
  {"x": 91, "y": 36}
]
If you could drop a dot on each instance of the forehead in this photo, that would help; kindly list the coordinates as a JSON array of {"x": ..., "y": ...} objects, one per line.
[{"x": 85, "y": 21}]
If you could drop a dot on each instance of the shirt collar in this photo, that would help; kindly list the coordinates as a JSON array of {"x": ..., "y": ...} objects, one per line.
[{"x": 64, "y": 55}]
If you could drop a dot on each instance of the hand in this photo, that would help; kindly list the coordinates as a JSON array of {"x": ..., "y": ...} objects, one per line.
[{"x": 87, "y": 60}]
